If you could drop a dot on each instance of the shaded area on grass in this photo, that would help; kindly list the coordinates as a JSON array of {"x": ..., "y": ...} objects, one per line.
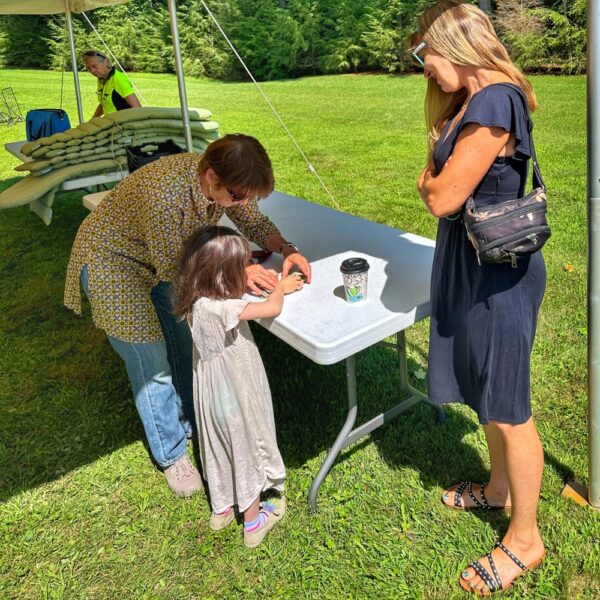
[{"x": 68, "y": 401}]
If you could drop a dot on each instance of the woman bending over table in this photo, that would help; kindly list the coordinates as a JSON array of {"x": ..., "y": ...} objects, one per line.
[
  {"x": 483, "y": 316},
  {"x": 125, "y": 255}
]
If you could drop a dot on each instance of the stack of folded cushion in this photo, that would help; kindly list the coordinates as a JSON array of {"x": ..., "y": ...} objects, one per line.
[{"x": 99, "y": 146}]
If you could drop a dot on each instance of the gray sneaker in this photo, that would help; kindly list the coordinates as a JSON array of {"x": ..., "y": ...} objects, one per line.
[
  {"x": 218, "y": 522},
  {"x": 274, "y": 514},
  {"x": 183, "y": 477}
]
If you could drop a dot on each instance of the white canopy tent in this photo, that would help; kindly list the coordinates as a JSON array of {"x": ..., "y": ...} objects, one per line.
[
  {"x": 47, "y": 7},
  {"x": 67, "y": 7}
]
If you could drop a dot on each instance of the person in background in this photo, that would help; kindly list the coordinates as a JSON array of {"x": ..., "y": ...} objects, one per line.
[
  {"x": 115, "y": 91},
  {"x": 483, "y": 316},
  {"x": 125, "y": 258},
  {"x": 232, "y": 399}
]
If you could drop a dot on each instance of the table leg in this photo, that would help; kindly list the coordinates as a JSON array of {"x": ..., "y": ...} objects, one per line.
[
  {"x": 342, "y": 439},
  {"x": 404, "y": 385},
  {"x": 348, "y": 436}
]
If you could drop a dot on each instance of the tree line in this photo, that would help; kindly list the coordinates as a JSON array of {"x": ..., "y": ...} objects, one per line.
[{"x": 287, "y": 38}]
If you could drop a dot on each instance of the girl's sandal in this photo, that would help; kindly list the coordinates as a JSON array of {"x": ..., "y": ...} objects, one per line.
[
  {"x": 493, "y": 581},
  {"x": 458, "y": 493}
]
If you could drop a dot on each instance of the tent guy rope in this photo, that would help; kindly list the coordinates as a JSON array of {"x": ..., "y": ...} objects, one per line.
[{"x": 285, "y": 128}]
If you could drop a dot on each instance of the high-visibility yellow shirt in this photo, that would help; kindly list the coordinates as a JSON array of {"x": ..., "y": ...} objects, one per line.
[{"x": 113, "y": 91}]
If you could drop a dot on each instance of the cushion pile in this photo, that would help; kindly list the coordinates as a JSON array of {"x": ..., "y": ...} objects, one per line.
[{"x": 97, "y": 147}]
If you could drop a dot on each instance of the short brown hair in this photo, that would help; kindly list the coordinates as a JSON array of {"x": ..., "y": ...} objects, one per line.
[
  {"x": 241, "y": 163},
  {"x": 212, "y": 265}
]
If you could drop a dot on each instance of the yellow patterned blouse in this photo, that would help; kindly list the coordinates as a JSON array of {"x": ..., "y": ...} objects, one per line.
[{"x": 133, "y": 239}]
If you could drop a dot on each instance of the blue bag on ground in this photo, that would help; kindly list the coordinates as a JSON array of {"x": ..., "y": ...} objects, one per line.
[{"x": 43, "y": 122}]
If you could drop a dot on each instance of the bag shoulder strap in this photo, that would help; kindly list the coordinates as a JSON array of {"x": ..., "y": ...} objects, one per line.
[{"x": 537, "y": 179}]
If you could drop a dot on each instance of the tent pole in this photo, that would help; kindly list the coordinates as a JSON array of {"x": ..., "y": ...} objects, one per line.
[
  {"x": 180, "y": 77},
  {"x": 74, "y": 60},
  {"x": 486, "y": 6},
  {"x": 593, "y": 187}
]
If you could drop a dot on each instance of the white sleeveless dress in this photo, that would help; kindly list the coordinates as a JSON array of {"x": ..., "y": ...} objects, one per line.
[{"x": 234, "y": 411}]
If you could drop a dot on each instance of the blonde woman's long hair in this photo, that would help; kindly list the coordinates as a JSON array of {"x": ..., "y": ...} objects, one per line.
[{"x": 463, "y": 34}]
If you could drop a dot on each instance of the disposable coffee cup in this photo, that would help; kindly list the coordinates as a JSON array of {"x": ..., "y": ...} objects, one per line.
[{"x": 355, "y": 272}]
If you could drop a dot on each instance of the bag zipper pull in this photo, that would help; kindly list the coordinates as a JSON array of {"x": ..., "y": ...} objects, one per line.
[{"x": 513, "y": 260}]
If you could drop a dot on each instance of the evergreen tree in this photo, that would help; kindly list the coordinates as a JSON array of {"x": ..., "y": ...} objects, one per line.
[
  {"x": 204, "y": 52},
  {"x": 287, "y": 38},
  {"x": 24, "y": 41}
]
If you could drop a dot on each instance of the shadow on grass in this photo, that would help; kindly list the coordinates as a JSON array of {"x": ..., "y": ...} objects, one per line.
[
  {"x": 64, "y": 395},
  {"x": 311, "y": 405},
  {"x": 65, "y": 399}
]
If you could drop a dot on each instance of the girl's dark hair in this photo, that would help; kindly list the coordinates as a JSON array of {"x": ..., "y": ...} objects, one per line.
[
  {"x": 212, "y": 265},
  {"x": 241, "y": 164}
]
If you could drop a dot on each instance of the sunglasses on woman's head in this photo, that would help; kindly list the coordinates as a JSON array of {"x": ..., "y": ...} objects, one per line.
[
  {"x": 416, "y": 51},
  {"x": 92, "y": 53},
  {"x": 237, "y": 197}
]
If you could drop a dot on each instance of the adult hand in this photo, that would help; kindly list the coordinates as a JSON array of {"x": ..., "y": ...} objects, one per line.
[
  {"x": 427, "y": 173},
  {"x": 296, "y": 259},
  {"x": 259, "y": 278}
]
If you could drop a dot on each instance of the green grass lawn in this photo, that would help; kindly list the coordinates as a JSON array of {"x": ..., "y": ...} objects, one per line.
[{"x": 83, "y": 513}]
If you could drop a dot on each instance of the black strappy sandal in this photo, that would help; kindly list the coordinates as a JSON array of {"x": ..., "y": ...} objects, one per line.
[
  {"x": 493, "y": 581},
  {"x": 483, "y": 503}
]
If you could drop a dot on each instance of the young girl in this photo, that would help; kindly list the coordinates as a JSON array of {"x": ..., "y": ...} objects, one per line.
[{"x": 234, "y": 412}]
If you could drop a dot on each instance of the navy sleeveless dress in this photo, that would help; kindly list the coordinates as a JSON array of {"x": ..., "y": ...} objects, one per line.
[{"x": 483, "y": 317}]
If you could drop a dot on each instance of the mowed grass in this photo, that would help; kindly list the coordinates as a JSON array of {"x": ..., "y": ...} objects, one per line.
[{"x": 83, "y": 512}]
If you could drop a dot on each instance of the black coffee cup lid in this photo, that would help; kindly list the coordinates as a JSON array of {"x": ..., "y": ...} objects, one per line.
[{"x": 356, "y": 264}]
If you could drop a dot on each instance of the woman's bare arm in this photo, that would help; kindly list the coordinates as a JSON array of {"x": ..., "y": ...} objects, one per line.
[{"x": 476, "y": 149}]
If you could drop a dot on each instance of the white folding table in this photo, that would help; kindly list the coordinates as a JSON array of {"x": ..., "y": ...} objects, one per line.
[
  {"x": 319, "y": 323},
  {"x": 72, "y": 184},
  {"x": 14, "y": 148}
]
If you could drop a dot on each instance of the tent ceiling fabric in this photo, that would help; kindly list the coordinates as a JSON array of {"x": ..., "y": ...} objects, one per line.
[{"x": 51, "y": 7}]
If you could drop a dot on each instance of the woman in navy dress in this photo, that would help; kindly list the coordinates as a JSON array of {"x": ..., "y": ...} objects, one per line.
[{"x": 483, "y": 316}]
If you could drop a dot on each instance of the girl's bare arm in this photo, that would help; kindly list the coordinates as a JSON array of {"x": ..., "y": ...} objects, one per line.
[{"x": 272, "y": 306}]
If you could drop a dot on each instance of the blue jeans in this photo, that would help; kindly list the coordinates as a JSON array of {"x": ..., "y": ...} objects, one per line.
[{"x": 160, "y": 374}]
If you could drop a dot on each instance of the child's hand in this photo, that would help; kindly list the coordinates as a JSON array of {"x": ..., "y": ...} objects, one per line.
[{"x": 291, "y": 283}]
